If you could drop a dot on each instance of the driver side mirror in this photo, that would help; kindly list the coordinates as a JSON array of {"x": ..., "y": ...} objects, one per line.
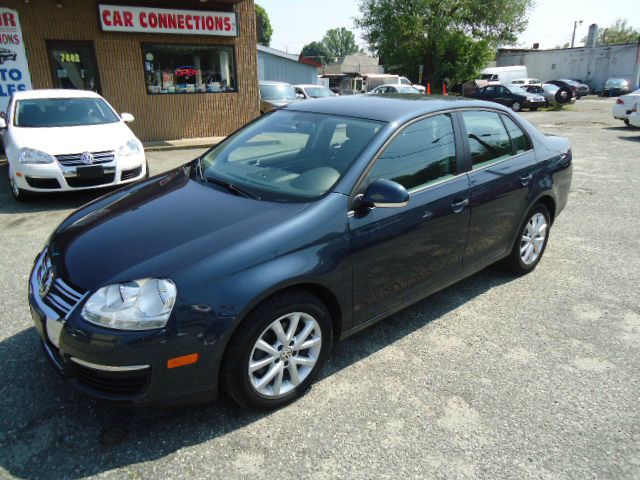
[
  {"x": 3, "y": 123},
  {"x": 127, "y": 117},
  {"x": 383, "y": 194}
]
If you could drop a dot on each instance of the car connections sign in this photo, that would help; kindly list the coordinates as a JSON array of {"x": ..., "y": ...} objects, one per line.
[
  {"x": 14, "y": 69},
  {"x": 119, "y": 18}
]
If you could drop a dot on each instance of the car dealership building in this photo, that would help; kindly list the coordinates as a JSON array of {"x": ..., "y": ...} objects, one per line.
[{"x": 183, "y": 68}]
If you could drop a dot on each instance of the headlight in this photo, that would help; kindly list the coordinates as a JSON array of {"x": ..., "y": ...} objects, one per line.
[
  {"x": 30, "y": 155},
  {"x": 139, "y": 305},
  {"x": 132, "y": 147}
]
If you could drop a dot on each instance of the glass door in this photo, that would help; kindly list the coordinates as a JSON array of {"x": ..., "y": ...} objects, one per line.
[{"x": 73, "y": 65}]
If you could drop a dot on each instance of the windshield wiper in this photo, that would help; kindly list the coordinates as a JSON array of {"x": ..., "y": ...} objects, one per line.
[{"x": 232, "y": 188}]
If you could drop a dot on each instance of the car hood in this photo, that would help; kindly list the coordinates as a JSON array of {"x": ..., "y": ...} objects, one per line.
[
  {"x": 156, "y": 227},
  {"x": 61, "y": 140}
]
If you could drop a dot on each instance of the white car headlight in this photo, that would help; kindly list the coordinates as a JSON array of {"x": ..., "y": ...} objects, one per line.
[
  {"x": 139, "y": 305},
  {"x": 31, "y": 155},
  {"x": 132, "y": 147}
]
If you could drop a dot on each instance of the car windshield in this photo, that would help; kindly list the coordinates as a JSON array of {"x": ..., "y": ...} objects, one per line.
[
  {"x": 63, "y": 112},
  {"x": 277, "y": 92},
  {"x": 405, "y": 89},
  {"x": 319, "y": 92},
  {"x": 288, "y": 156},
  {"x": 616, "y": 82},
  {"x": 517, "y": 90}
]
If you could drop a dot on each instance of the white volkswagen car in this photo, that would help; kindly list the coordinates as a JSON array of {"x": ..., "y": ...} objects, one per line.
[{"x": 61, "y": 140}]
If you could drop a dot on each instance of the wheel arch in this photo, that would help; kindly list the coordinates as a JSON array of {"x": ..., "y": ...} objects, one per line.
[{"x": 549, "y": 202}]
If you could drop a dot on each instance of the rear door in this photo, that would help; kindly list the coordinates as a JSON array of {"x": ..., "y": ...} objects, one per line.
[
  {"x": 503, "y": 170},
  {"x": 400, "y": 253}
]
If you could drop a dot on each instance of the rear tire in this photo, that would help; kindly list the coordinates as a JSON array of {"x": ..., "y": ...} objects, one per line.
[
  {"x": 516, "y": 106},
  {"x": 296, "y": 367},
  {"x": 531, "y": 242},
  {"x": 626, "y": 122}
]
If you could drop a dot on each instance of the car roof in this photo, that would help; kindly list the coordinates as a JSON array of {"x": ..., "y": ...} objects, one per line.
[
  {"x": 306, "y": 85},
  {"x": 54, "y": 93},
  {"x": 272, "y": 82},
  {"x": 387, "y": 108}
]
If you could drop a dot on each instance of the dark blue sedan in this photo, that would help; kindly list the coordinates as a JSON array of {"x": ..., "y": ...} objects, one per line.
[{"x": 238, "y": 270}]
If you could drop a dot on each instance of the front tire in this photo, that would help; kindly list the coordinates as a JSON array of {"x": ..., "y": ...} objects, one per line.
[
  {"x": 532, "y": 240},
  {"x": 278, "y": 350}
]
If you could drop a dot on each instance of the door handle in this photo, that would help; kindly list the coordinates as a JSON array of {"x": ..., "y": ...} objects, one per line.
[
  {"x": 526, "y": 179},
  {"x": 458, "y": 206}
]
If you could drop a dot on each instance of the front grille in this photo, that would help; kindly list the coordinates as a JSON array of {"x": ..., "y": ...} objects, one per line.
[
  {"x": 114, "y": 383},
  {"x": 129, "y": 174},
  {"x": 43, "y": 182},
  {"x": 62, "y": 298},
  {"x": 76, "y": 182},
  {"x": 73, "y": 159}
]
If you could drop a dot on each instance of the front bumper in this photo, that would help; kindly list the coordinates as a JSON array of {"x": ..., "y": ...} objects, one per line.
[
  {"x": 125, "y": 367},
  {"x": 54, "y": 177}
]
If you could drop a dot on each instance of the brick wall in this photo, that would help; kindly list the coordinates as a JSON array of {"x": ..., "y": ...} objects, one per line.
[{"x": 121, "y": 69}]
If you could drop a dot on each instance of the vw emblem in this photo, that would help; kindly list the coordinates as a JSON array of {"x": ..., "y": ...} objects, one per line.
[
  {"x": 87, "y": 158},
  {"x": 45, "y": 276}
]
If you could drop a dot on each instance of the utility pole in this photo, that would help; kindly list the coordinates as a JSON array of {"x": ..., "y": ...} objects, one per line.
[{"x": 573, "y": 37}]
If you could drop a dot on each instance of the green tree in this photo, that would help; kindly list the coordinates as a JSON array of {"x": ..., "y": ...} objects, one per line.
[
  {"x": 619, "y": 32},
  {"x": 263, "y": 26},
  {"x": 316, "y": 51},
  {"x": 452, "y": 40},
  {"x": 339, "y": 42}
]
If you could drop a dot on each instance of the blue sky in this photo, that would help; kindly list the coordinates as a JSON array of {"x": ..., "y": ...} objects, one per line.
[{"x": 296, "y": 23}]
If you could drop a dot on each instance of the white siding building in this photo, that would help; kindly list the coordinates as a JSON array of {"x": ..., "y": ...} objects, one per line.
[{"x": 592, "y": 65}]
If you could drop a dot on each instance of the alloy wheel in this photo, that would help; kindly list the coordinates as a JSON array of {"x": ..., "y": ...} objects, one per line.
[
  {"x": 516, "y": 106},
  {"x": 285, "y": 354},
  {"x": 533, "y": 238}
]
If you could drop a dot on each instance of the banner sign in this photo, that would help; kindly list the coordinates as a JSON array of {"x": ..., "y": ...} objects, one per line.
[
  {"x": 14, "y": 69},
  {"x": 119, "y": 18}
]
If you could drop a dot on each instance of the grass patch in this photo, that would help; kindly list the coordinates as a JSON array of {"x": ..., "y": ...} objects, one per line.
[{"x": 557, "y": 108}]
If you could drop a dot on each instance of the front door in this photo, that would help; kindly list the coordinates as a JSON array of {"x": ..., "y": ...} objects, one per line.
[
  {"x": 73, "y": 65},
  {"x": 399, "y": 253},
  {"x": 502, "y": 175}
]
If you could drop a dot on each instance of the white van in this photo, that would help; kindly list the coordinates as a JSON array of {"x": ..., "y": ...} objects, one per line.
[{"x": 504, "y": 75}]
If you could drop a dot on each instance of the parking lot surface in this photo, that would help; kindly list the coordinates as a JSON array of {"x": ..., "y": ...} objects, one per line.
[{"x": 495, "y": 377}]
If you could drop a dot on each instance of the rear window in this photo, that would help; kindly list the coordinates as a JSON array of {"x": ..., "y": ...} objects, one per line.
[{"x": 487, "y": 137}]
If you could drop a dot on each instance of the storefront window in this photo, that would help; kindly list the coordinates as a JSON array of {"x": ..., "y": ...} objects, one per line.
[{"x": 189, "y": 69}]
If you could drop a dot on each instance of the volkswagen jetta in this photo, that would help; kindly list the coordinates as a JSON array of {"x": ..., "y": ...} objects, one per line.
[{"x": 238, "y": 270}]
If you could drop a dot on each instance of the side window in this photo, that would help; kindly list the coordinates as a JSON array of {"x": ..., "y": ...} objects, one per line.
[
  {"x": 518, "y": 137},
  {"x": 489, "y": 89},
  {"x": 421, "y": 154},
  {"x": 487, "y": 137}
]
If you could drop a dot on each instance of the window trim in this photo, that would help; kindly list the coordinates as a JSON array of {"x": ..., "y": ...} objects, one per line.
[
  {"x": 460, "y": 151},
  {"x": 179, "y": 44}
]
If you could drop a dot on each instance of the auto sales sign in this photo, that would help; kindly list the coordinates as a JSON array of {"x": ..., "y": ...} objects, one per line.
[
  {"x": 14, "y": 69},
  {"x": 120, "y": 18}
]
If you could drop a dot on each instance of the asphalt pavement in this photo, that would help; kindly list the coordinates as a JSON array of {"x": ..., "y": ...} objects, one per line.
[{"x": 495, "y": 377}]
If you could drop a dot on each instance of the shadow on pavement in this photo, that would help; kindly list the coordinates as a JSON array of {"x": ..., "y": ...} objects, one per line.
[
  {"x": 49, "y": 431},
  {"x": 631, "y": 139},
  {"x": 46, "y": 202}
]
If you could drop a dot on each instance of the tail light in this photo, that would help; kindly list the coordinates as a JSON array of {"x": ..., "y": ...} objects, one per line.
[{"x": 619, "y": 101}]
